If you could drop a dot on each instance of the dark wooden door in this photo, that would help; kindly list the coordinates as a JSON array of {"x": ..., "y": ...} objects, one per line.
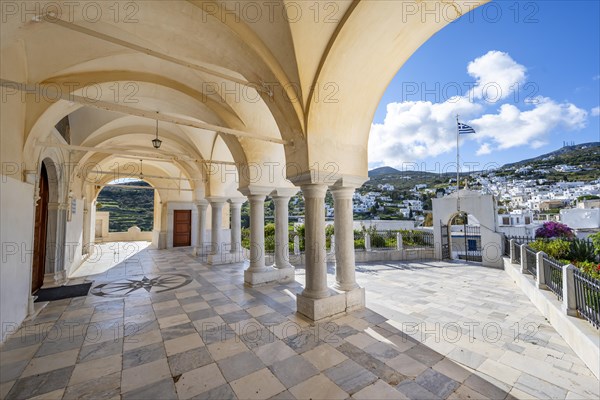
[
  {"x": 41, "y": 225},
  {"x": 182, "y": 228}
]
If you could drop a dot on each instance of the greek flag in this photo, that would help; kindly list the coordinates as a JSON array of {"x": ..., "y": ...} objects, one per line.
[{"x": 464, "y": 129}]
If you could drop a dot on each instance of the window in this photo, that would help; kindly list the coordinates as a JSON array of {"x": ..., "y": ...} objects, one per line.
[
  {"x": 505, "y": 221},
  {"x": 527, "y": 220},
  {"x": 471, "y": 245}
]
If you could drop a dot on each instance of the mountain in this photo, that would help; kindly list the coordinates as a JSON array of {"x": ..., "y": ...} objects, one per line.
[
  {"x": 585, "y": 154},
  {"x": 127, "y": 206},
  {"x": 383, "y": 171}
]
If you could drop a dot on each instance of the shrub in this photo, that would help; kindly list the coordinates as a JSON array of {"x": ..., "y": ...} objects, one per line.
[
  {"x": 596, "y": 241},
  {"x": 554, "y": 248},
  {"x": 581, "y": 250},
  {"x": 553, "y": 229},
  {"x": 589, "y": 268}
]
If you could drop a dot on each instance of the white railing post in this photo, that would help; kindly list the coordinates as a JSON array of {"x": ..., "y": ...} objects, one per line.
[
  {"x": 367, "y": 242},
  {"x": 523, "y": 258},
  {"x": 297, "y": 245},
  {"x": 332, "y": 241},
  {"x": 399, "y": 243},
  {"x": 513, "y": 258},
  {"x": 539, "y": 267},
  {"x": 569, "y": 305}
]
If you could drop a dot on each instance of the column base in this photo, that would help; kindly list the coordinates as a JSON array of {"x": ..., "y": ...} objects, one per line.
[
  {"x": 338, "y": 302},
  {"x": 224, "y": 258},
  {"x": 270, "y": 275},
  {"x": 53, "y": 280}
]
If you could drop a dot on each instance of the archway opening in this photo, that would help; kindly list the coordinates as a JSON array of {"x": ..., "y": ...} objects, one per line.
[
  {"x": 40, "y": 232},
  {"x": 464, "y": 237},
  {"x": 126, "y": 211}
]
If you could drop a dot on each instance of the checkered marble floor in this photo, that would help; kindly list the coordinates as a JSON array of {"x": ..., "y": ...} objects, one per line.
[{"x": 163, "y": 325}]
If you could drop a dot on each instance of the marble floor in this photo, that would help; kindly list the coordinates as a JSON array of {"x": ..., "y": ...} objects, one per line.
[{"x": 163, "y": 325}]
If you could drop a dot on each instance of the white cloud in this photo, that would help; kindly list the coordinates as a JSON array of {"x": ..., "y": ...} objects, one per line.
[
  {"x": 484, "y": 149},
  {"x": 595, "y": 111},
  {"x": 512, "y": 127},
  {"x": 414, "y": 130},
  {"x": 497, "y": 76}
]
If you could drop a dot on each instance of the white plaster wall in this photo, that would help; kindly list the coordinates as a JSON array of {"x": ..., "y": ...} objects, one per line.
[
  {"x": 16, "y": 236},
  {"x": 383, "y": 225},
  {"x": 581, "y": 218},
  {"x": 74, "y": 238}
]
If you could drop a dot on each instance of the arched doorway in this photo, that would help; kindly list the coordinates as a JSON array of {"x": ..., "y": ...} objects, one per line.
[
  {"x": 40, "y": 232},
  {"x": 464, "y": 237}
]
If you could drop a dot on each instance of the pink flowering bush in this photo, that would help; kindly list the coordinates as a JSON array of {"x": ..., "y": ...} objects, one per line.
[{"x": 553, "y": 229}]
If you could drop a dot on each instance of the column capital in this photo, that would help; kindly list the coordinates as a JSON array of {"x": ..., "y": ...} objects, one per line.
[
  {"x": 348, "y": 182},
  {"x": 216, "y": 200},
  {"x": 201, "y": 203},
  {"x": 314, "y": 190},
  {"x": 255, "y": 190},
  {"x": 236, "y": 201},
  {"x": 328, "y": 178},
  {"x": 284, "y": 192}
]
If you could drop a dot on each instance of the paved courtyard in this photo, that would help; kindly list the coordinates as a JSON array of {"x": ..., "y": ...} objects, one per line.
[{"x": 162, "y": 325}]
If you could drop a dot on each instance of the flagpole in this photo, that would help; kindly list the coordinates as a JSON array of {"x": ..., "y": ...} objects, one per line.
[{"x": 457, "y": 168}]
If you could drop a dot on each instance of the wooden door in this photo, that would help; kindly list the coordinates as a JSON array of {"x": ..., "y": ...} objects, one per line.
[
  {"x": 41, "y": 225},
  {"x": 182, "y": 228}
]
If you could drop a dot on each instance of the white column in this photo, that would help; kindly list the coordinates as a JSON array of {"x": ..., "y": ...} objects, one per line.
[
  {"x": 344, "y": 238},
  {"x": 216, "y": 239},
  {"x": 235, "y": 209},
  {"x": 201, "y": 237},
  {"x": 282, "y": 250},
  {"x": 316, "y": 266},
  {"x": 257, "y": 233}
]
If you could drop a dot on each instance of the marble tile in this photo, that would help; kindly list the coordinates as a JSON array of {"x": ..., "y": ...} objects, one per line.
[
  {"x": 452, "y": 370},
  {"x": 219, "y": 393},
  {"x": 228, "y": 348},
  {"x": 163, "y": 390},
  {"x": 406, "y": 365},
  {"x": 39, "y": 384},
  {"x": 437, "y": 383},
  {"x": 183, "y": 343},
  {"x": 350, "y": 376},
  {"x": 40, "y": 365},
  {"x": 143, "y": 355},
  {"x": 304, "y": 341},
  {"x": 103, "y": 387},
  {"x": 137, "y": 377},
  {"x": 482, "y": 386},
  {"x": 173, "y": 320},
  {"x": 318, "y": 387},
  {"x": 381, "y": 351},
  {"x": 324, "y": 357},
  {"x": 293, "y": 370},
  {"x": 99, "y": 350},
  {"x": 261, "y": 384},
  {"x": 257, "y": 311},
  {"x": 379, "y": 390},
  {"x": 239, "y": 365},
  {"x": 273, "y": 352},
  {"x": 54, "y": 395},
  {"x": 188, "y": 360},
  {"x": 10, "y": 372},
  {"x": 199, "y": 380},
  {"x": 95, "y": 369},
  {"x": 539, "y": 388},
  {"x": 227, "y": 308},
  {"x": 413, "y": 390},
  {"x": 5, "y": 388},
  {"x": 141, "y": 340},
  {"x": 361, "y": 340}
]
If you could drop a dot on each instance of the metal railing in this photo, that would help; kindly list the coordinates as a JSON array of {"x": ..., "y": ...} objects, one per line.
[
  {"x": 587, "y": 297},
  {"x": 531, "y": 260},
  {"x": 359, "y": 240},
  {"x": 506, "y": 246},
  {"x": 417, "y": 239},
  {"x": 383, "y": 240},
  {"x": 552, "y": 270}
]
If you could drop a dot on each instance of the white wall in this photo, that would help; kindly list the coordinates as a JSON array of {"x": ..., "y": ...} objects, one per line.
[
  {"x": 383, "y": 225},
  {"x": 74, "y": 239},
  {"x": 581, "y": 218},
  {"x": 16, "y": 236}
]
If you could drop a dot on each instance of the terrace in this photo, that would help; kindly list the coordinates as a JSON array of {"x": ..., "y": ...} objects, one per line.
[{"x": 431, "y": 330}]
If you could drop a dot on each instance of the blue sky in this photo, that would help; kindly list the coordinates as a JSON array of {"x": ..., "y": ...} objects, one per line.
[{"x": 526, "y": 80}]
